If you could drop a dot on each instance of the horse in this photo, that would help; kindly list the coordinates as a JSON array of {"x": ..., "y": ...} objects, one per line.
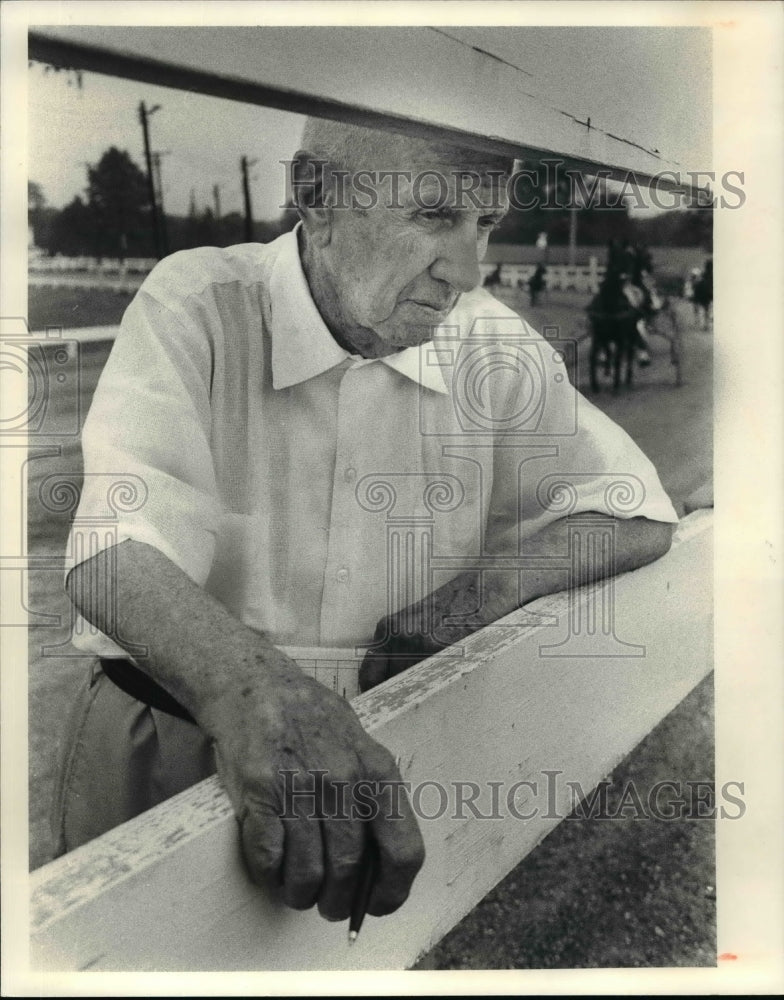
[
  {"x": 494, "y": 278},
  {"x": 614, "y": 340},
  {"x": 614, "y": 314}
]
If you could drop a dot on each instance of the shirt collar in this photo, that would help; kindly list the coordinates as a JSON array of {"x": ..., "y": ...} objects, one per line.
[{"x": 303, "y": 347}]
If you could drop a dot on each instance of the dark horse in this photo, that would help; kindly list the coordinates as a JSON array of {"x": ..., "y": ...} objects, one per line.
[
  {"x": 494, "y": 278},
  {"x": 614, "y": 335}
]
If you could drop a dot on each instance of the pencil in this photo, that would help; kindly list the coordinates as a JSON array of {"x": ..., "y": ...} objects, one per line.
[{"x": 365, "y": 887}]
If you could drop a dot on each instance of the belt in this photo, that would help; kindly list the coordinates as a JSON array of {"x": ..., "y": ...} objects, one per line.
[{"x": 139, "y": 685}]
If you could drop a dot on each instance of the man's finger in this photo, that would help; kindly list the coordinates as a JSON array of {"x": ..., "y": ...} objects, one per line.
[
  {"x": 303, "y": 865},
  {"x": 344, "y": 842},
  {"x": 374, "y": 670},
  {"x": 397, "y": 664},
  {"x": 262, "y": 845},
  {"x": 400, "y": 845}
]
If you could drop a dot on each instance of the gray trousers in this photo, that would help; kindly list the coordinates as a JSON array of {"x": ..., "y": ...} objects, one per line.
[{"x": 120, "y": 758}]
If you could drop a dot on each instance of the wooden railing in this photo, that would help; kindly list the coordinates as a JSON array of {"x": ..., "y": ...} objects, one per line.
[{"x": 534, "y": 708}]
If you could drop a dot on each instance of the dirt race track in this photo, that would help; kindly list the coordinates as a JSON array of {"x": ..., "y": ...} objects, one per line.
[{"x": 627, "y": 893}]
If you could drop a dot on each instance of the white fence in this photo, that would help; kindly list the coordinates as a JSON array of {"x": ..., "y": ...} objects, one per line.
[
  {"x": 91, "y": 265},
  {"x": 559, "y": 277},
  {"x": 90, "y": 272}
]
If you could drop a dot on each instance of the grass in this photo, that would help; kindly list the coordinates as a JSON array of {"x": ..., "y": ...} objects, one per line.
[{"x": 74, "y": 307}]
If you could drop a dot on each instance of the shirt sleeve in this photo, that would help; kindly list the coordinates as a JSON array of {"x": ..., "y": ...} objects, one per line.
[
  {"x": 148, "y": 468},
  {"x": 565, "y": 456}
]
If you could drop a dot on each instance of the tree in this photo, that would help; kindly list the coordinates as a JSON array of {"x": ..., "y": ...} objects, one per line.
[
  {"x": 542, "y": 200},
  {"x": 40, "y": 217},
  {"x": 35, "y": 199},
  {"x": 118, "y": 200},
  {"x": 207, "y": 232},
  {"x": 72, "y": 230}
]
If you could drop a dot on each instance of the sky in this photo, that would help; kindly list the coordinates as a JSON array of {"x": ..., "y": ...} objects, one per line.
[
  {"x": 203, "y": 139},
  {"x": 650, "y": 85}
]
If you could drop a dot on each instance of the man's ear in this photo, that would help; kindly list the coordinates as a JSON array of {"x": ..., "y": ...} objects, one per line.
[{"x": 312, "y": 195}]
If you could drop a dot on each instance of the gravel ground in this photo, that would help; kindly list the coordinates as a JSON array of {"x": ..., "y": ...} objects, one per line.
[{"x": 609, "y": 893}]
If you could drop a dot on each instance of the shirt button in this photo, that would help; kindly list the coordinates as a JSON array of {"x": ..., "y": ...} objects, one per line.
[
  {"x": 342, "y": 575},
  {"x": 350, "y": 474}
]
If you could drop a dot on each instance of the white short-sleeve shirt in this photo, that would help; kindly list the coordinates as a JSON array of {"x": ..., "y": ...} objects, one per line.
[{"x": 311, "y": 491}]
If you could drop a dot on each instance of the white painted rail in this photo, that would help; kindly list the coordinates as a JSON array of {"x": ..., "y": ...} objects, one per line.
[
  {"x": 412, "y": 79},
  {"x": 167, "y": 891}
]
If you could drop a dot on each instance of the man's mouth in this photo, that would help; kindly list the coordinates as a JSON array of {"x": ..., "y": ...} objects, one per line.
[{"x": 435, "y": 307}]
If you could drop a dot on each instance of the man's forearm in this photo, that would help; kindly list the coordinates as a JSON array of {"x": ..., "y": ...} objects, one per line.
[
  {"x": 576, "y": 549},
  {"x": 581, "y": 542},
  {"x": 194, "y": 647},
  {"x": 488, "y": 595}
]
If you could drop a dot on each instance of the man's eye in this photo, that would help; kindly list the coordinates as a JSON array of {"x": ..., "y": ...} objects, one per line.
[
  {"x": 435, "y": 214},
  {"x": 489, "y": 222}
]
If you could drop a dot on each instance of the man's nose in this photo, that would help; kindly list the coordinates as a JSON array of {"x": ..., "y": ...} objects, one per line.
[{"x": 458, "y": 259}]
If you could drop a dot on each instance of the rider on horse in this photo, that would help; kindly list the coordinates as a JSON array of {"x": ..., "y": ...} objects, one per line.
[{"x": 627, "y": 287}]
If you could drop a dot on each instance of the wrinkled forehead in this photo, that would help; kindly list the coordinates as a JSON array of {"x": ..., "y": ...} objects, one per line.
[
  {"x": 436, "y": 171},
  {"x": 405, "y": 151}
]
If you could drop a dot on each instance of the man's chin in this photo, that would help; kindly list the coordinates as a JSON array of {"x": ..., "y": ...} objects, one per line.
[
  {"x": 410, "y": 337},
  {"x": 387, "y": 338},
  {"x": 411, "y": 334}
]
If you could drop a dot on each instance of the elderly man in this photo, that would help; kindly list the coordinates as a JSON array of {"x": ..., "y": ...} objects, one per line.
[{"x": 275, "y": 401}]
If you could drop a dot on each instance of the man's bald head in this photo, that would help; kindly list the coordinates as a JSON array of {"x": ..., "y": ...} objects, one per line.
[{"x": 345, "y": 146}]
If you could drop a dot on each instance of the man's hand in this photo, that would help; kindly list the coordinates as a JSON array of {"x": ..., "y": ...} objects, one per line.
[
  {"x": 416, "y": 632},
  {"x": 394, "y": 650},
  {"x": 264, "y": 717},
  {"x": 308, "y": 786}
]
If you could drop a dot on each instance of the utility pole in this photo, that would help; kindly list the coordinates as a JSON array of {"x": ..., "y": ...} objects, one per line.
[
  {"x": 244, "y": 164},
  {"x": 572, "y": 235},
  {"x": 576, "y": 203},
  {"x": 158, "y": 185},
  {"x": 216, "y": 199},
  {"x": 144, "y": 115}
]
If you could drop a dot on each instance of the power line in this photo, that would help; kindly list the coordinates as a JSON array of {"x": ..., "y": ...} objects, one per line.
[
  {"x": 539, "y": 99},
  {"x": 478, "y": 48}
]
